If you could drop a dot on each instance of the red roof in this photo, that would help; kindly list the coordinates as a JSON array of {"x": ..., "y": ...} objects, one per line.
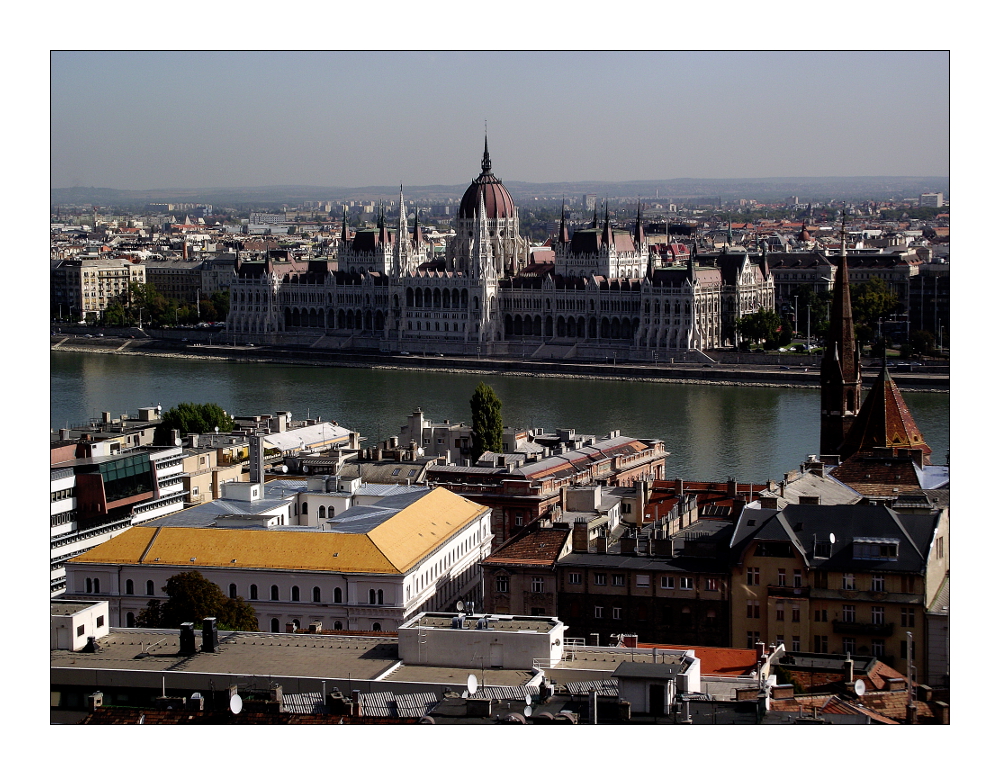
[{"x": 717, "y": 661}]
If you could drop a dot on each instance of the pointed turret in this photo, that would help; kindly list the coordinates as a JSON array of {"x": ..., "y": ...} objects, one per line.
[
  {"x": 344, "y": 234},
  {"x": 640, "y": 235},
  {"x": 563, "y": 231},
  {"x": 607, "y": 237},
  {"x": 418, "y": 235},
  {"x": 840, "y": 372}
]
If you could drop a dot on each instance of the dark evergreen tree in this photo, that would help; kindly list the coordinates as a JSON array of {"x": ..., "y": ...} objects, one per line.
[{"x": 487, "y": 422}]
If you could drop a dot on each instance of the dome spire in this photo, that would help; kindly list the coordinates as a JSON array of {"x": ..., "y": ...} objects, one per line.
[{"x": 487, "y": 166}]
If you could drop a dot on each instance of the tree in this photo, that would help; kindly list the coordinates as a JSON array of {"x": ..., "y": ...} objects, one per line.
[
  {"x": 487, "y": 422},
  {"x": 191, "y": 598},
  {"x": 762, "y": 325},
  {"x": 192, "y": 418},
  {"x": 872, "y": 301}
]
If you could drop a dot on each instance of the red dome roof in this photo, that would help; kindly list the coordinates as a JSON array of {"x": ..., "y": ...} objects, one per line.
[{"x": 497, "y": 199}]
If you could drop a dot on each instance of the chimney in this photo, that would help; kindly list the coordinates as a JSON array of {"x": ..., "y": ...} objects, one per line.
[
  {"x": 209, "y": 635},
  {"x": 581, "y": 538},
  {"x": 95, "y": 700},
  {"x": 849, "y": 670},
  {"x": 64, "y": 434},
  {"x": 187, "y": 638},
  {"x": 769, "y": 501},
  {"x": 941, "y": 712}
]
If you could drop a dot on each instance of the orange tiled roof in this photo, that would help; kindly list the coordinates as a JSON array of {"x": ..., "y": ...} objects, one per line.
[
  {"x": 717, "y": 661},
  {"x": 539, "y": 547}
]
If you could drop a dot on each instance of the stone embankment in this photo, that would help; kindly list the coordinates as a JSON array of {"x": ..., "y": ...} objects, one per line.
[{"x": 756, "y": 375}]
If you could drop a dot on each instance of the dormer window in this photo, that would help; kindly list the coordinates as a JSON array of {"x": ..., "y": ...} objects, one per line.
[{"x": 876, "y": 549}]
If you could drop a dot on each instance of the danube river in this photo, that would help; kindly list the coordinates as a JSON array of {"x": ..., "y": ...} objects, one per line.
[{"x": 713, "y": 432}]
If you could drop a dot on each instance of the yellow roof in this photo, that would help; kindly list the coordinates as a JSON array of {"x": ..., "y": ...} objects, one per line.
[{"x": 395, "y": 546}]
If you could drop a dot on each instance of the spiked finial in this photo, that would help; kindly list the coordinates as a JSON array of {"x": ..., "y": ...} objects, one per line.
[{"x": 487, "y": 166}]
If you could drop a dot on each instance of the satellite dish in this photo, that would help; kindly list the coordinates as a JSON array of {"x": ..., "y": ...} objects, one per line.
[
  {"x": 236, "y": 704},
  {"x": 284, "y": 469},
  {"x": 527, "y": 698},
  {"x": 859, "y": 688},
  {"x": 833, "y": 538},
  {"x": 527, "y": 710},
  {"x": 196, "y": 696},
  {"x": 472, "y": 684},
  {"x": 460, "y": 606}
]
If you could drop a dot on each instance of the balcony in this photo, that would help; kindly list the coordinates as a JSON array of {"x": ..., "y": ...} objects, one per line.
[
  {"x": 793, "y": 592},
  {"x": 863, "y": 628}
]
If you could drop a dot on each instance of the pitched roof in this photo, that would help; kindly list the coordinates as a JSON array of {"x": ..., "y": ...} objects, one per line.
[
  {"x": 396, "y": 544},
  {"x": 538, "y": 548},
  {"x": 884, "y": 420}
]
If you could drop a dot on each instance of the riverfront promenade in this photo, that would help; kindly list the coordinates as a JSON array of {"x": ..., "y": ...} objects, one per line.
[{"x": 789, "y": 371}]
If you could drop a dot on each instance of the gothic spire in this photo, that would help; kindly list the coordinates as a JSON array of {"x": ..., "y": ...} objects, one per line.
[
  {"x": 640, "y": 235},
  {"x": 563, "y": 231},
  {"x": 487, "y": 166}
]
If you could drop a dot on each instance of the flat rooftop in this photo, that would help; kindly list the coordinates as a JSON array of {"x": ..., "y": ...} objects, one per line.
[
  {"x": 505, "y": 622},
  {"x": 238, "y": 653},
  {"x": 68, "y": 607}
]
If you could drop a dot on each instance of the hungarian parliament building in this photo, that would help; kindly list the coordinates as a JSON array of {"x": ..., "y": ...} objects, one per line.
[{"x": 600, "y": 291}]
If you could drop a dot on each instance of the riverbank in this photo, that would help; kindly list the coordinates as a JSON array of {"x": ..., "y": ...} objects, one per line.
[{"x": 756, "y": 375}]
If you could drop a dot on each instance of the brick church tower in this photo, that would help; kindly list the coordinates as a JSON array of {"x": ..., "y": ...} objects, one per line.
[{"x": 840, "y": 371}]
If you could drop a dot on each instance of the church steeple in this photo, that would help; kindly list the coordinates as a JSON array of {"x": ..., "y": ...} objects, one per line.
[
  {"x": 563, "y": 231},
  {"x": 840, "y": 372}
]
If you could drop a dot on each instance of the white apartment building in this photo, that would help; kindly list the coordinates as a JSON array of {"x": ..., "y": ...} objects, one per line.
[{"x": 370, "y": 567}]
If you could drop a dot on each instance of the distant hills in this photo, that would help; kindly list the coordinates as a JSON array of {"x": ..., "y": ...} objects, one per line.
[{"x": 727, "y": 189}]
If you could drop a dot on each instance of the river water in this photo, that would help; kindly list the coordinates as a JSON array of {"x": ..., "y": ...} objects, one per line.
[{"x": 713, "y": 432}]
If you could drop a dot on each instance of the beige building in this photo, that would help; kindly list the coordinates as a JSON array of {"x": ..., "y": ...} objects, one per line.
[
  {"x": 841, "y": 579},
  {"x": 91, "y": 284}
]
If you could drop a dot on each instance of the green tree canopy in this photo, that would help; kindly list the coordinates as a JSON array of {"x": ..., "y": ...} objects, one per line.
[
  {"x": 762, "y": 325},
  {"x": 487, "y": 422},
  {"x": 871, "y": 301},
  {"x": 191, "y": 598},
  {"x": 193, "y": 418}
]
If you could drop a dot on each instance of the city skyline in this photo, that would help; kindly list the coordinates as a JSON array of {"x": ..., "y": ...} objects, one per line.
[{"x": 216, "y": 119}]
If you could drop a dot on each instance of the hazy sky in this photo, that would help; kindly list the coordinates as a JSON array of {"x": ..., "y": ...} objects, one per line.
[{"x": 142, "y": 120}]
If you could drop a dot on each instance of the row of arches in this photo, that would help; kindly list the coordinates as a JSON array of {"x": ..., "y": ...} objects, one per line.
[
  {"x": 570, "y": 327},
  {"x": 438, "y": 298}
]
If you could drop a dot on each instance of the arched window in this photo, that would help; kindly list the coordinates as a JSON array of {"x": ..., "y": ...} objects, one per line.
[
  {"x": 380, "y": 598},
  {"x": 274, "y": 625},
  {"x": 129, "y": 587},
  {"x": 376, "y": 627},
  {"x": 90, "y": 585},
  {"x": 130, "y": 619},
  {"x": 295, "y": 625},
  {"x": 149, "y": 588},
  {"x": 338, "y": 626},
  {"x": 371, "y": 597},
  {"x": 305, "y": 508},
  {"x": 253, "y": 591},
  {"x": 338, "y": 595},
  {"x": 322, "y": 512},
  {"x": 274, "y": 593},
  {"x": 295, "y": 594},
  {"x": 232, "y": 591},
  {"x": 97, "y": 586},
  {"x": 315, "y": 594}
]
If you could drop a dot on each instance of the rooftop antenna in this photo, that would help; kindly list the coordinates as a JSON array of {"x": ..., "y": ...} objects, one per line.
[{"x": 236, "y": 704}]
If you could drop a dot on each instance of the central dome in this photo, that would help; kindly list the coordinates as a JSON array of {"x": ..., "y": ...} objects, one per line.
[{"x": 496, "y": 198}]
